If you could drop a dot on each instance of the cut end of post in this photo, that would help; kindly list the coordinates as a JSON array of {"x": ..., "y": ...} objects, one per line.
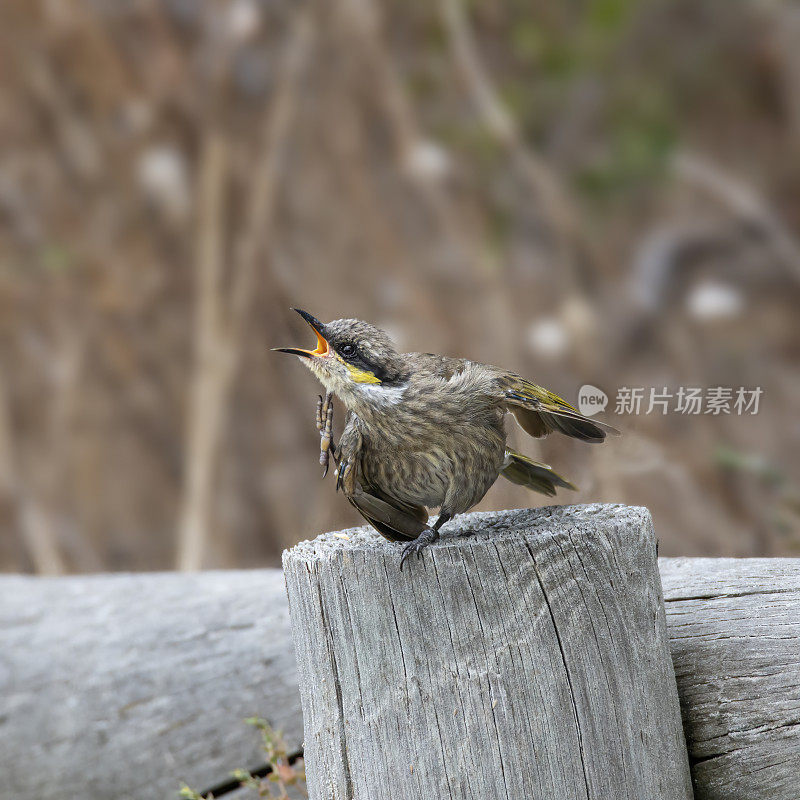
[{"x": 477, "y": 528}]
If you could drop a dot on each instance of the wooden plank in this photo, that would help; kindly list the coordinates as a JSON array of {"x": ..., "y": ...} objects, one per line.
[
  {"x": 734, "y": 627},
  {"x": 527, "y": 660},
  {"x": 122, "y": 686}
]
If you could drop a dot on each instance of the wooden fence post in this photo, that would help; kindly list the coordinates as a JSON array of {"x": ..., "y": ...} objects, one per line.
[{"x": 528, "y": 660}]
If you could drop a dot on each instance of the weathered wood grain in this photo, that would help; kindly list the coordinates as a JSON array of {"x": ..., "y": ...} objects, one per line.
[
  {"x": 528, "y": 660},
  {"x": 122, "y": 686},
  {"x": 734, "y": 627}
]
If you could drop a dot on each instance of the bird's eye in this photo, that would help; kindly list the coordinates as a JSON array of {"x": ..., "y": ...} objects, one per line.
[{"x": 348, "y": 350}]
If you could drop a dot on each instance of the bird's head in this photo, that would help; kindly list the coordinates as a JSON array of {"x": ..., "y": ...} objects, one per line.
[{"x": 354, "y": 360}]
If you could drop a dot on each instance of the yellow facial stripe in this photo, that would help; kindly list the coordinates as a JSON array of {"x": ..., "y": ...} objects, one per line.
[{"x": 361, "y": 375}]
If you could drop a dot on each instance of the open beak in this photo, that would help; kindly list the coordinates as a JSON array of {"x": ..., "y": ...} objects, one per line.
[{"x": 322, "y": 348}]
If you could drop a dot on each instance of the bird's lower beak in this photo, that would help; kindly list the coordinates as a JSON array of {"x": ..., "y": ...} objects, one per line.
[{"x": 322, "y": 348}]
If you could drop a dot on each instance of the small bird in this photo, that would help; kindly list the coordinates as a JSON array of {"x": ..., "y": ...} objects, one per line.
[{"x": 426, "y": 431}]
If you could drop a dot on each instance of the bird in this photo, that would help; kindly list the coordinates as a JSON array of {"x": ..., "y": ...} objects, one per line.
[{"x": 426, "y": 431}]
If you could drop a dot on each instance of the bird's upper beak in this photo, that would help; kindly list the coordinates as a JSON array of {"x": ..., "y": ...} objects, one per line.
[{"x": 322, "y": 348}]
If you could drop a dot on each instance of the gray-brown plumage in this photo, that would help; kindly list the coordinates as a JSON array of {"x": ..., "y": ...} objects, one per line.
[{"x": 427, "y": 431}]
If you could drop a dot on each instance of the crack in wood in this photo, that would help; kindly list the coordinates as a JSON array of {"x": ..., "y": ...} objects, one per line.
[
  {"x": 566, "y": 670},
  {"x": 337, "y": 685},
  {"x": 726, "y": 595}
]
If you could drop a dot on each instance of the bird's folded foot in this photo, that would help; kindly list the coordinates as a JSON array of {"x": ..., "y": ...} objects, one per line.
[
  {"x": 320, "y": 418},
  {"x": 325, "y": 428},
  {"x": 427, "y": 537}
]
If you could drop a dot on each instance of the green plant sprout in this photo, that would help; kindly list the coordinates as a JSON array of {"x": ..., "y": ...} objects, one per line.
[{"x": 281, "y": 776}]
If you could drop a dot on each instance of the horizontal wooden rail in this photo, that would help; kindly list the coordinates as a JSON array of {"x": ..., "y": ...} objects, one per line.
[
  {"x": 734, "y": 628},
  {"x": 124, "y": 685}
]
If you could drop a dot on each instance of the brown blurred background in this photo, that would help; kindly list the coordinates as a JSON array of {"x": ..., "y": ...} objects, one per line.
[{"x": 602, "y": 192}]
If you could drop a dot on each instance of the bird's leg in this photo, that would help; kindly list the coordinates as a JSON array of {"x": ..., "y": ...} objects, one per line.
[
  {"x": 427, "y": 537},
  {"x": 319, "y": 413},
  {"x": 441, "y": 521},
  {"x": 327, "y": 436},
  {"x": 327, "y": 448}
]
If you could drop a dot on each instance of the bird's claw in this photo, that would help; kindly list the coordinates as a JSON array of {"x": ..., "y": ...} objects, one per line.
[{"x": 416, "y": 546}]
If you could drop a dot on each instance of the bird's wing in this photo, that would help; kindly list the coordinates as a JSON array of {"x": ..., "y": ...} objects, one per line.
[
  {"x": 392, "y": 518},
  {"x": 540, "y": 412},
  {"x": 524, "y": 471},
  {"x": 396, "y": 523}
]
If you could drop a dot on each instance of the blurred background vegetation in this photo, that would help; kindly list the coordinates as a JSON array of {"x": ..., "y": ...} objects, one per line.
[{"x": 603, "y": 191}]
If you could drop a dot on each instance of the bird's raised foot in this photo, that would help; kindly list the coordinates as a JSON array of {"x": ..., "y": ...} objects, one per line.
[
  {"x": 320, "y": 418},
  {"x": 325, "y": 428},
  {"x": 427, "y": 537}
]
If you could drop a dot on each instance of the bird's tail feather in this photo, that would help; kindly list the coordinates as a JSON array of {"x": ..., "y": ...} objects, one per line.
[{"x": 524, "y": 471}]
